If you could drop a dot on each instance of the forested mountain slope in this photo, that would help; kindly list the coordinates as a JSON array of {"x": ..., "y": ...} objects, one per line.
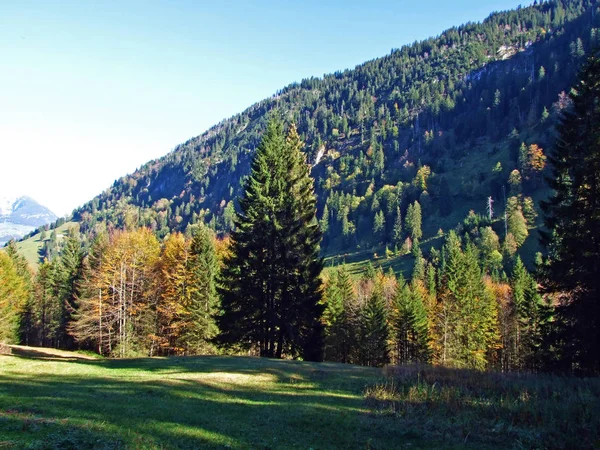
[{"x": 444, "y": 122}]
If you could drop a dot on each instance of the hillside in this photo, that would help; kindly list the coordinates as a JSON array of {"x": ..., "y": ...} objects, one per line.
[
  {"x": 58, "y": 399},
  {"x": 38, "y": 245},
  {"x": 439, "y": 122}
]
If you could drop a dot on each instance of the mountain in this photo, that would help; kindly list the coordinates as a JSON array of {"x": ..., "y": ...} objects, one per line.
[
  {"x": 21, "y": 215},
  {"x": 442, "y": 122}
]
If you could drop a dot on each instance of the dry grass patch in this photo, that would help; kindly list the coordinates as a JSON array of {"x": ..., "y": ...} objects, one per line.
[{"x": 512, "y": 410}]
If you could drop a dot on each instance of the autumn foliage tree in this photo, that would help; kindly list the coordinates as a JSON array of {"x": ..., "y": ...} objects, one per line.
[
  {"x": 119, "y": 313},
  {"x": 188, "y": 298},
  {"x": 14, "y": 292}
]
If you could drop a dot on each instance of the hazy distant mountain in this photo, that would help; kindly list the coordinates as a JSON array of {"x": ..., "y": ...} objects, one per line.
[{"x": 19, "y": 216}]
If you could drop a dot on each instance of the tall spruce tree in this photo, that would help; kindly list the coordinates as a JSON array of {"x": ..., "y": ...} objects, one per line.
[
  {"x": 472, "y": 326},
  {"x": 339, "y": 317},
  {"x": 374, "y": 332},
  {"x": 271, "y": 288},
  {"x": 409, "y": 328},
  {"x": 203, "y": 302},
  {"x": 68, "y": 275},
  {"x": 413, "y": 222},
  {"x": 573, "y": 217},
  {"x": 528, "y": 310}
]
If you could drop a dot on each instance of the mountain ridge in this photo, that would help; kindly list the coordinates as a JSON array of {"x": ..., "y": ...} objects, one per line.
[
  {"x": 438, "y": 103},
  {"x": 20, "y": 215}
]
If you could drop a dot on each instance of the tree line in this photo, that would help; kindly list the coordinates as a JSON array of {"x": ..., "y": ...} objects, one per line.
[
  {"x": 127, "y": 295},
  {"x": 451, "y": 312}
]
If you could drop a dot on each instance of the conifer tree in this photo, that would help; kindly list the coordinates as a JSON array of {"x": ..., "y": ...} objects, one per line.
[
  {"x": 271, "y": 286},
  {"x": 379, "y": 225},
  {"x": 204, "y": 302},
  {"x": 471, "y": 320},
  {"x": 418, "y": 273},
  {"x": 397, "y": 231},
  {"x": 325, "y": 220},
  {"x": 374, "y": 331},
  {"x": 409, "y": 326},
  {"x": 339, "y": 317},
  {"x": 413, "y": 222},
  {"x": 44, "y": 319},
  {"x": 573, "y": 217},
  {"x": 528, "y": 309},
  {"x": 67, "y": 277},
  {"x": 92, "y": 327}
]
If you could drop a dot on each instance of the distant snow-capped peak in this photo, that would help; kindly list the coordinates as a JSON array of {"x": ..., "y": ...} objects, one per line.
[{"x": 6, "y": 205}]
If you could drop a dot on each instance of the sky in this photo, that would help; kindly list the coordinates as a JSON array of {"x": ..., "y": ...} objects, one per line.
[{"x": 91, "y": 90}]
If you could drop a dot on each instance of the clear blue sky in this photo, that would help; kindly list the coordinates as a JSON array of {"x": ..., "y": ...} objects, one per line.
[{"x": 91, "y": 90}]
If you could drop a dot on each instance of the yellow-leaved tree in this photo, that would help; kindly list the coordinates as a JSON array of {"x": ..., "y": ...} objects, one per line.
[
  {"x": 118, "y": 310},
  {"x": 14, "y": 293}
]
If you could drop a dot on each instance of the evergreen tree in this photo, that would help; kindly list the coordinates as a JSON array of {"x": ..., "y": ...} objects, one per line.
[
  {"x": 418, "y": 273},
  {"x": 204, "y": 302},
  {"x": 325, "y": 220},
  {"x": 374, "y": 331},
  {"x": 338, "y": 317},
  {"x": 413, "y": 222},
  {"x": 573, "y": 217},
  {"x": 44, "y": 315},
  {"x": 528, "y": 308},
  {"x": 409, "y": 326},
  {"x": 271, "y": 286},
  {"x": 379, "y": 225},
  {"x": 397, "y": 232},
  {"x": 67, "y": 277},
  {"x": 471, "y": 321}
]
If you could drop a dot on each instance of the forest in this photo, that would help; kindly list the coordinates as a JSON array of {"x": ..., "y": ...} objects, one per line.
[{"x": 451, "y": 155}]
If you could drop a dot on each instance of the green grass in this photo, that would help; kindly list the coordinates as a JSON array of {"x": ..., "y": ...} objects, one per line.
[
  {"x": 30, "y": 247},
  {"x": 68, "y": 400},
  {"x": 61, "y": 401},
  {"x": 356, "y": 263}
]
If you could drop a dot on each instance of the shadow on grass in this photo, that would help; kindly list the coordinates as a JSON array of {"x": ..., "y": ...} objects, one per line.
[
  {"x": 194, "y": 402},
  {"x": 47, "y": 354},
  {"x": 245, "y": 402}
]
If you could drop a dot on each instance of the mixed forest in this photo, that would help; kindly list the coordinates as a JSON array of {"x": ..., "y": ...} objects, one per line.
[{"x": 452, "y": 157}]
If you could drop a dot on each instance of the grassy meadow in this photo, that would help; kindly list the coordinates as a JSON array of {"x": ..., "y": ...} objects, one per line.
[
  {"x": 31, "y": 246},
  {"x": 64, "y": 400}
]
